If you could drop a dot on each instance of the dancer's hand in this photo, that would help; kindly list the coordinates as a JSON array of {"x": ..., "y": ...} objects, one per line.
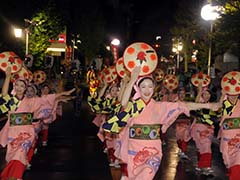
[
  {"x": 69, "y": 92},
  {"x": 65, "y": 93},
  {"x": 215, "y": 106},
  {"x": 135, "y": 73},
  {"x": 8, "y": 71},
  {"x": 66, "y": 98}
]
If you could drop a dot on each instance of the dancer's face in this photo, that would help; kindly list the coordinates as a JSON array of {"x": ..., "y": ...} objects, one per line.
[
  {"x": 30, "y": 92},
  {"x": 146, "y": 89},
  {"x": 45, "y": 90},
  {"x": 20, "y": 88},
  {"x": 114, "y": 91},
  {"x": 181, "y": 95},
  {"x": 206, "y": 96},
  {"x": 233, "y": 98}
]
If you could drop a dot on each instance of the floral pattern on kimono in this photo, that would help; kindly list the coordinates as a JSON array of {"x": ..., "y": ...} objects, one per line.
[
  {"x": 183, "y": 125},
  {"x": 143, "y": 156},
  {"x": 9, "y": 135},
  {"x": 230, "y": 138}
]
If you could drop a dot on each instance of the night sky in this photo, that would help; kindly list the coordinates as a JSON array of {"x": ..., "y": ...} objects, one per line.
[
  {"x": 146, "y": 19},
  {"x": 150, "y": 18}
]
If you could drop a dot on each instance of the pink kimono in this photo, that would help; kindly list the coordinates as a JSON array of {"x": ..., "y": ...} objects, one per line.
[
  {"x": 20, "y": 138},
  {"x": 50, "y": 112},
  {"x": 230, "y": 137},
  {"x": 102, "y": 118},
  {"x": 202, "y": 134},
  {"x": 98, "y": 119},
  {"x": 183, "y": 129},
  {"x": 59, "y": 109},
  {"x": 140, "y": 145},
  {"x": 46, "y": 112},
  {"x": 10, "y": 134}
]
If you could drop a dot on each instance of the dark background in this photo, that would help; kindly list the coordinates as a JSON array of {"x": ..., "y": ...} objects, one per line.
[{"x": 138, "y": 21}]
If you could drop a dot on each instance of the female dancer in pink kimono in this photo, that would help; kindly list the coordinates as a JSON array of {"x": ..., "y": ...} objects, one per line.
[
  {"x": 183, "y": 124},
  {"x": 105, "y": 107},
  {"x": 19, "y": 137},
  {"x": 139, "y": 125},
  {"x": 229, "y": 134},
  {"x": 106, "y": 93},
  {"x": 45, "y": 90},
  {"x": 48, "y": 111},
  {"x": 31, "y": 92},
  {"x": 113, "y": 92},
  {"x": 170, "y": 96},
  {"x": 202, "y": 132},
  {"x": 51, "y": 112}
]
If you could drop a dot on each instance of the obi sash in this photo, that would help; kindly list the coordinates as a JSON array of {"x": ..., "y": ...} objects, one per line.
[
  {"x": 231, "y": 123},
  {"x": 23, "y": 118},
  {"x": 145, "y": 131}
]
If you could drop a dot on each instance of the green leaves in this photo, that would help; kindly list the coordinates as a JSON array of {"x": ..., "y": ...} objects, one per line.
[{"x": 49, "y": 25}]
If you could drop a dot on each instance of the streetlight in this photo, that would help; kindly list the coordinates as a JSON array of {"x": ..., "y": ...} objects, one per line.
[
  {"x": 115, "y": 42},
  {"x": 177, "y": 48},
  {"x": 210, "y": 13},
  {"x": 18, "y": 32},
  {"x": 76, "y": 41},
  {"x": 108, "y": 48},
  {"x": 114, "y": 47}
]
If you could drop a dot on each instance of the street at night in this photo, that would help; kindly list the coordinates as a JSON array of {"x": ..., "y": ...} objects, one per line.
[
  {"x": 74, "y": 152},
  {"x": 120, "y": 90}
]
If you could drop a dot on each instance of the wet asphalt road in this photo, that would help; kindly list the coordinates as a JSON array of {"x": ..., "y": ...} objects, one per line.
[{"x": 75, "y": 153}]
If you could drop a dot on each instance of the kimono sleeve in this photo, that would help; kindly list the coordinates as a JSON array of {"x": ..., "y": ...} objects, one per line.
[
  {"x": 169, "y": 111},
  {"x": 52, "y": 114},
  {"x": 102, "y": 105},
  {"x": 4, "y": 134},
  {"x": 93, "y": 103},
  {"x": 8, "y": 103},
  {"x": 208, "y": 116},
  {"x": 118, "y": 121},
  {"x": 43, "y": 106}
]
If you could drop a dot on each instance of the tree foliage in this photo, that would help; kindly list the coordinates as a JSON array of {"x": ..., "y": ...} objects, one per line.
[
  {"x": 46, "y": 24},
  {"x": 189, "y": 26},
  {"x": 227, "y": 36},
  {"x": 91, "y": 33},
  {"x": 90, "y": 26}
]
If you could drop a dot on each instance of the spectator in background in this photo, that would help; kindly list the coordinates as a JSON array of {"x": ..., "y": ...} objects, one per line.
[{"x": 215, "y": 85}]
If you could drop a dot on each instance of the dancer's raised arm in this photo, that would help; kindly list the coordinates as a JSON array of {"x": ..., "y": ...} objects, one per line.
[
  {"x": 124, "y": 83},
  {"x": 134, "y": 76},
  {"x": 65, "y": 93},
  {"x": 196, "y": 106},
  {"x": 6, "y": 83}
]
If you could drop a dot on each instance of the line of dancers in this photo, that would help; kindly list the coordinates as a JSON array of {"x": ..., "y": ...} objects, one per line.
[
  {"x": 135, "y": 125},
  {"x": 28, "y": 115}
]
